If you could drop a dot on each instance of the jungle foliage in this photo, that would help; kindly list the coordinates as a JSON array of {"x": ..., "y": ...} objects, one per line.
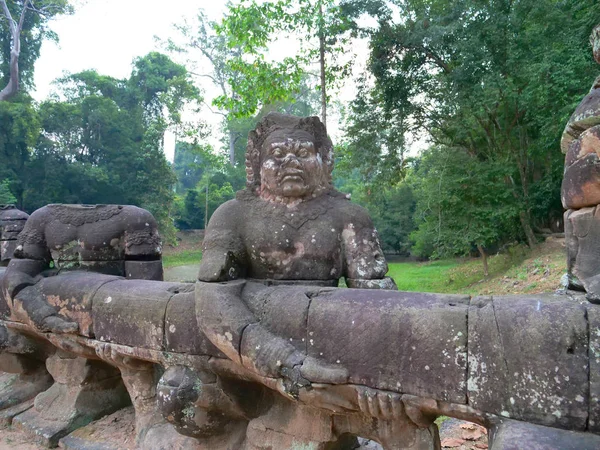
[{"x": 481, "y": 89}]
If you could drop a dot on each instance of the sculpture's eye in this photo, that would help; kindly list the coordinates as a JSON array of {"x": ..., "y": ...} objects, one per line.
[
  {"x": 303, "y": 153},
  {"x": 277, "y": 152}
]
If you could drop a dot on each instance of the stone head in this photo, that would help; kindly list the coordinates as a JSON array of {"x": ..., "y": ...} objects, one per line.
[
  {"x": 595, "y": 41},
  {"x": 289, "y": 157}
]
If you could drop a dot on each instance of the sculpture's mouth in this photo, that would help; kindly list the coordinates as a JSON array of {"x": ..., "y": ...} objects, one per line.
[{"x": 294, "y": 175}]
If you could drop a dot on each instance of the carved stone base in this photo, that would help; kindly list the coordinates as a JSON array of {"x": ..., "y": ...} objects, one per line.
[
  {"x": 289, "y": 425},
  {"x": 18, "y": 388},
  {"x": 513, "y": 435},
  {"x": 84, "y": 390},
  {"x": 7, "y": 415}
]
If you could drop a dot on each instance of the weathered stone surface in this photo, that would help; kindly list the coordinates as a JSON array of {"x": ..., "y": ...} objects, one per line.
[
  {"x": 7, "y": 415},
  {"x": 84, "y": 390},
  {"x": 528, "y": 359},
  {"x": 587, "y": 115},
  {"x": 144, "y": 270},
  {"x": 71, "y": 294},
  {"x": 385, "y": 340},
  {"x": 593, "y": 315},
  {"x": 16, "y": 388},
  {"x": 132, "y": 312},
  {"x": 182, "y": 334},
  {"x": 582, "y": 237},
  {"x": 282, "y": 310},
  {"x": 514, "y": 435},
  {"x": 581, "y": 183},
  {"x": 588, "y": 143},
  {"x": 113, "y": 432}
]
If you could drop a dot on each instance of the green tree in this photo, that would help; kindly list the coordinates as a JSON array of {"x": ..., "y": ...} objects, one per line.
[
  {"x": 251, "y": 26},
  {"x": 462, "y": 203},
  {"x": 6, "y": 196},
  {"x": 104, "y": 140},
  {"x": 496, "y": 79}
]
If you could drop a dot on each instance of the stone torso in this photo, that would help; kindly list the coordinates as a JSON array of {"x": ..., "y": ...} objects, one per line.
[{"x": 293, "y": 243}]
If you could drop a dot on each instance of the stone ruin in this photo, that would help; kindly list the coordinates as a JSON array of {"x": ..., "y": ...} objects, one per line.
[{"x": 265, "y": 351}]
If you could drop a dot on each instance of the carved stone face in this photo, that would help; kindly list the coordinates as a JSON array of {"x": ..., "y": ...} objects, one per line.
[{"x": 291, "y": 166}]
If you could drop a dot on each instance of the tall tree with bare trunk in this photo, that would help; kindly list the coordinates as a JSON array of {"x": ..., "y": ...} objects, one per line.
[{"x": 19, "y": 18}]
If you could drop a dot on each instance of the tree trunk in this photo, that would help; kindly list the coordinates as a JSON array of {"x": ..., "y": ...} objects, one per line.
[
  {"x": 524, "y": 218},
  {"x": 206, "y": 207},
  {"x": 322, "y": 64},
  {"x": 231, "y": 148},
  {"x": 483, "y": 259},
  {"x": 12, "y": 87}
]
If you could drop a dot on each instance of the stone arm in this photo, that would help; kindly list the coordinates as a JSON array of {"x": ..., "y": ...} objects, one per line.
[
  {"x": 225, "y": 318},
  {"x": 365, "y": 265}
]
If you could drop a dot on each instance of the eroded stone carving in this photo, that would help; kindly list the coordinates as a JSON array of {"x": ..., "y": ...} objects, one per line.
[
  {"x": 581, "y": 188},
  {"x": 57, "y": 242}
]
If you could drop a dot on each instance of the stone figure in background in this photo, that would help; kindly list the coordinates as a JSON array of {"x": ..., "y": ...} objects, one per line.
[
  {"x": 581, "y": 188},
  {"x": 110, "y": 239},
  {"x": 12, "y": 222}
]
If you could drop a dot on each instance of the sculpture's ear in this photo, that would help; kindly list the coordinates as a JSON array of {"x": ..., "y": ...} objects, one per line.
[{"x": 253, "y": 161}]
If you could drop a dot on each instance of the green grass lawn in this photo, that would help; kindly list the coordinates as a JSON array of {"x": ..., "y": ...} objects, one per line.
[
  {"x": 452, "y": 275},
  {"x": 182, "y": 258},
  {"x": 425, "y": 277}
]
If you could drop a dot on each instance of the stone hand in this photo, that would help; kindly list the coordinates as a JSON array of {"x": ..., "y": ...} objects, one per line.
[
  {"x": 108, "y": 353},
  {"x": 43, "y": 316},
  {"x": 380, "y": 404}
]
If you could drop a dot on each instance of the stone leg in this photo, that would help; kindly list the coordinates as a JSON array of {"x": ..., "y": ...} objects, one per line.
[
  {"x": 397, "y": 434},
  {"x": 288, "y": 425},
  {"x": 23, "y": 374},
  {"x": 84, "y": 390}
]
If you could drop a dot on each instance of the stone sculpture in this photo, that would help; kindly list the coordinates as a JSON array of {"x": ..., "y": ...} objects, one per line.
[
  {"x": 57, "y": 241},
  {"x": 264, "y": 352},
  {"x": 581, "y": 188},
  {"x": 12, "y": 222}
]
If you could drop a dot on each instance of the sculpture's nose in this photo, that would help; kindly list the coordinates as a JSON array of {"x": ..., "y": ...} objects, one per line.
[{"x": 291, "y": 160}]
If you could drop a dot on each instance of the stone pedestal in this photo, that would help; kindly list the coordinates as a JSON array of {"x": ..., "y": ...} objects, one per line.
[{"x": 84, "y": 390}]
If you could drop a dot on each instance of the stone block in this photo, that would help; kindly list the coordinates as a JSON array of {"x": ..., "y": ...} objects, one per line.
[
  {"x": 581, "y": 183},
  {"x": 132, "y": 312},
  {"x": 593, "y": 314},
  {"x": 588, "y": 143},
  {"x": 144, "y": 270},
  {"x": 408, "y": 342},
  {"x": 283, "y": 310},
  {"x": 528, "y": 359},
  {"x": 514, "y": 435},
  {"x": 181, "y": 327},
  {"x": 7, "y": 250},
  {"x": 582, "y": 237},
  {"x": 7, "y": 415}
]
